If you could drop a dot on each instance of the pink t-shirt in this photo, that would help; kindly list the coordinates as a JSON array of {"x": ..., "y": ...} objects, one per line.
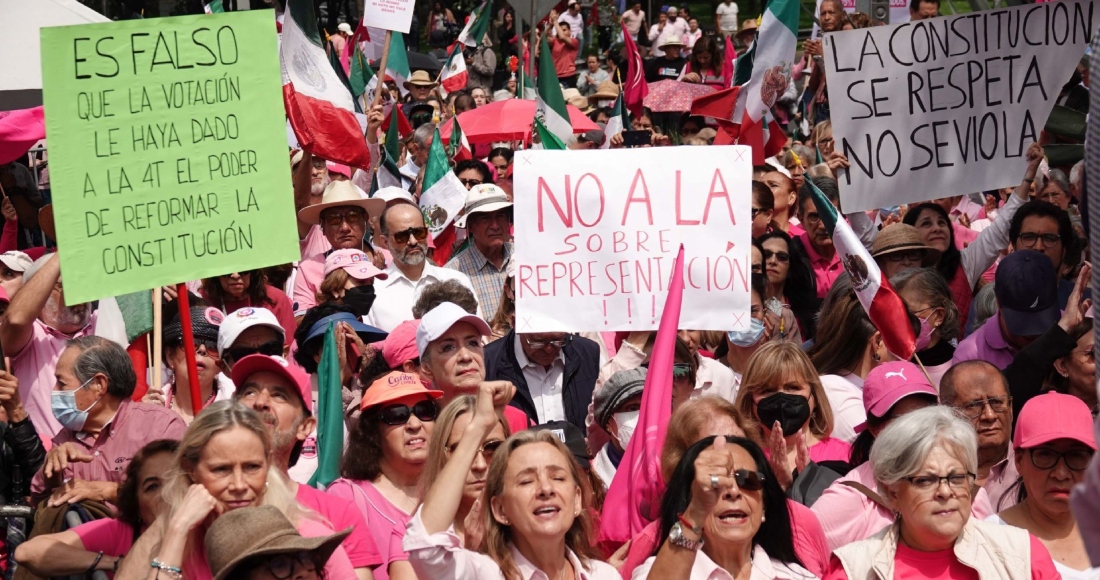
[
  {"x": 308, "y": 278},
  {"x": 315, "y": 242},
  {"x": 110, "y": 536},
  {"x": 342, "y": 515},
  {"x": 830, "y": 449},
  {"x": 910, "y": 564},
  {"x": 34, "y": 366},
  {"x": 385, "y": 521}
]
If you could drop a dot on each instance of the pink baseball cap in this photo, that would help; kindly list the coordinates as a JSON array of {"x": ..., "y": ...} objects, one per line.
[
  {"x": 400, "y": 344},
  {"x": 340, "y": 168},
  {"x": 1052, "y": 416},
  {"x": 889, "y": 383},
  {"x": 255, "y": 363},
  {"x": 356, "y": 262}
]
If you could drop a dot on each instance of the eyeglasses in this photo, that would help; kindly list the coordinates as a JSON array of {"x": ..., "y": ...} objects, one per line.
[
  {"x": 335, "y": 218},
  {"x": 487, "y": 449},
  {"x": 974, "y": 409},
  {"x": 1047, "y": 458},
  {"x": 282, "y": 566},
  {"x": 402, "y": 237},
  {"x": 206, "y": 348},
  {"x": 812, "y": 218},
  {"x": 539, "y": 345},
  {"x": 395, "y": 415},
  {"x": 927, "y": 483},
  {"x": 1030, "y": 238},
  {"x": 779, "y": 256},
  {"x": 749, "y": 480},
  {"x": 757, "y": 211},
  {"x": 681, "y": 370},
  {"x": 910, "y": 256},
  {"x": 470, "y": 182},
  {"x": 273, "y": 348}
]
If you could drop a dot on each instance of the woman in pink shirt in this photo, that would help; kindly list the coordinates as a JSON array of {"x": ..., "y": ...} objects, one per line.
[
  {"x": 781, "y": 390},
  {"x": 237, "y": 290}
]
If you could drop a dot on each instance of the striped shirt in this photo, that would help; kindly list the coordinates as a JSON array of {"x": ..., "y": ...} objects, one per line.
[{"x": 488, "y": 280}]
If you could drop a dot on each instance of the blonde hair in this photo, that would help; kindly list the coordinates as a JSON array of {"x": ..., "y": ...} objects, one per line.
[
  {"x": 331, "y": 285},
  {"x": 774, "y": 363},
  {"x": 444, "y": 424},
  {"x": 686, "y": 424},
  {"x": 498, "y": 535}
]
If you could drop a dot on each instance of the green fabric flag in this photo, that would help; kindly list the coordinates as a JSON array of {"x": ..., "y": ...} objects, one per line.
[
  {"x": 334, "y": 62},
  {"x": 397, "y": 66},
  {"x": 214, "y": 7},
  {"x": 137, "y": 313},
  {"x": 361, "y": 73},
  {"x": 551, "y": 103},
  {"x": 477, "y": 26},
  {"x": 548, "y": 139},
  {"x": 330, "y": 414}
]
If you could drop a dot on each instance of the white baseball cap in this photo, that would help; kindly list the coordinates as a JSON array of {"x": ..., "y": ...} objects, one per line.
[
  {"x": 242, "y": 319},
  {"x": 17, "y": 261},
  {"x": 440, "y": 319},
  {"x": 392, "y": 193}
]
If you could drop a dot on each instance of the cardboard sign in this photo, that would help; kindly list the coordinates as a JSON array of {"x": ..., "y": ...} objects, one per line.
[
  {"x": 395, "y": 15},
  {"x": 168, "y": 151},
  {"x": 597, "y": 234},
  {"x": 948, "y": 106}
]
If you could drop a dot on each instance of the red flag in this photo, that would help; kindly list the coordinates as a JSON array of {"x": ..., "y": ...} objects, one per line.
[
  {"x": 634, "y": 87},
  {"x": 403, "y": 126},
  {"x": 444, "y": 244},
  {"x": 634, "y": 496},
  {"x": 717, "y": 105},
  {"x": 729, "y": 56}
]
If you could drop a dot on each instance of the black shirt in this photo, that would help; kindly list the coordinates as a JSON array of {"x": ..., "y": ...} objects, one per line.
[{"x": 663, "y": 68}]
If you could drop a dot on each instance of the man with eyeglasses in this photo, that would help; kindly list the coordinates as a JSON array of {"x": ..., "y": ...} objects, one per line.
[
  {"x": 249, "y": 331},
  {"x": 280, "y": 394},
  {"x": 1046, "y": 228},
  {"x": 554, "y": 373},
  {"x": 979, "y": 391},
  {"x": 343, "y": 215},
  {"x": 406, "y": 235},
  {"x": 487, "y": 219},
  {"x": 1027, "y": 306}
]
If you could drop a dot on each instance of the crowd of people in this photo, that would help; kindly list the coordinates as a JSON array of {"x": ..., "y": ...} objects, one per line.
[{"x": 799, "y": 448}]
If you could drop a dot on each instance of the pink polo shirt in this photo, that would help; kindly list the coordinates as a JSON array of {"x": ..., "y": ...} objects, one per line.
[
  {"x": 311, "y": 272},
  {"x": 826, "y": 270},
  {"x": 385, "y": 521},
  {"x": 342, "y": 515},
  {"x": 34, "y": 367},
  {"x": 133, "y": 426}
]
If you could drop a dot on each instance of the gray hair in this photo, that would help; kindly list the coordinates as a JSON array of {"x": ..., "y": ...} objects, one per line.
[
  {"x": 985, "y": 304},
  {"x": 99, "y": 355},
  {"x": 1057, "y": 176},
  {"x": 901, "y": 449},
  {"x": 422, "y": 136},
  {"x": 1076, "y": 172}
]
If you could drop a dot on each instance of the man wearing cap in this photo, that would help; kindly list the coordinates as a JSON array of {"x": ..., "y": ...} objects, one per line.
[
  {"x": 452, "y": 358},
  {"x": 12, "y": 266},
  {"x": 420, "y": 86},
  {"x": 34, "y": 332},
  {"x": 900, "y": 247},
  {"x": 1027, "y": 306},
  {"x": 411, "y": 270},
  {"x": 249, "y": 331},
  {"x": 563, "y": 49},
  {"x": 488, "y": 220},
  {"x": 280, "y": 393},
  {"x": 980, "y": 392},
  {"x": 616, "y": 407},
  {"x": 670, "y": 63},
  {"x": 101, "y": 427},
  {"x": 343, "y": 215}
]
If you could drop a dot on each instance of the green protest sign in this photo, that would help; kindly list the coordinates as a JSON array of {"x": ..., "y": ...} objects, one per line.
[{"x": 168, "y": 155}]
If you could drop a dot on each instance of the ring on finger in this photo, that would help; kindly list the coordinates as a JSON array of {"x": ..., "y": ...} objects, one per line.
[{"x": 714, "y": 481}]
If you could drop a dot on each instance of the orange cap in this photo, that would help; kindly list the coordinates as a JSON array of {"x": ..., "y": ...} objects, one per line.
[{"x": 393, "y": 387}]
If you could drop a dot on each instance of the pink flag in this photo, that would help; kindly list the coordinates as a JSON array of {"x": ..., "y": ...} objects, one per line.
[
  {"x": 634, "y": 496},
  {"x": 19, "y": 131},
  {"x": 729, "y": 56},
  {"x": 635, "y": 88}
]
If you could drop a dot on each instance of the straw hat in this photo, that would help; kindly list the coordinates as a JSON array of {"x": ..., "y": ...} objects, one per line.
[
  {"x": 259, "y": 531},
  {"x": 421, "y": 79},
  {"x": 672, "y": 40},
  {"x": 341, "y": 193},
  {"x": 484, "y": 197},
  {"x": 902, "y": 238},
  {"x": 749, "y": 25},
  {"x": 575, "y": 98},
  {"x": 607, "y": 90}
]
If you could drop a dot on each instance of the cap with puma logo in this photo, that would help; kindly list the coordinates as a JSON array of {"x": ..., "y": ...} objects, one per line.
[{"x": 891, "y": 382}]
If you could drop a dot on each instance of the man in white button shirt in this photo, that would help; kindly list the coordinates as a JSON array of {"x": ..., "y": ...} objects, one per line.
[
  {"x": 574, "y": 18},
  {"x": 554, "y": 373},
  {"x": 407, "y": 237}
]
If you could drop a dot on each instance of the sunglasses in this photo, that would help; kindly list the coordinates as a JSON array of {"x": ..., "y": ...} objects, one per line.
[
  {"x": 336, "y": 218},
  {"x": 779, "y": 256},
  {"x": 470, "y": 182},
  {"x": 681, "y": 370},
  {"x": 273, "y": 348},
  {"x": 395, "y": 415},
  {"x": 749, "y": 480},
  {"x": 282, "y": 566},
  {"x": 402, "y": 237},
  {"x": 487, "y": 449}
]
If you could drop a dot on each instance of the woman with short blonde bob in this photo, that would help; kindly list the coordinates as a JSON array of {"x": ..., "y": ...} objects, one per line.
[
  {"x": 536, "y": 518},
  {"x": 924, "y": 465},
  {"x": 781, "y": 390}
]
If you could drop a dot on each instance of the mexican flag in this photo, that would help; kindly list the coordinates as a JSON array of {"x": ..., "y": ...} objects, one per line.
[
  {"x": 330, "y": 414},
  {"x": 320, "y": 107},
  {"x": 885, "y": 308},
  {"x": 397, "y": 64},
  {"x": 767, "y": 63},
  {"x": 476, "y": 25},
  {"x": 454, "y": 75},
  {"x": 458, "y": 148},
  {"x": 388, "y": 174},
  {"x": 214, "y": 7},
  {"x": 551, "y": 104},
  {"x": 443, "y": 195},
  {"x": 616, "y": 124},
  {"x": 547, "y": 139},
  {"x": 360, "y": 76}
]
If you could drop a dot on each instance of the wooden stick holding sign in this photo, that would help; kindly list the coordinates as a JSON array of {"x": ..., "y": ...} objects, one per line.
[
  {"x": 189, "y": 347},
  {"x": 158, "y": 341},
  {"x": 382, "y": 68}
]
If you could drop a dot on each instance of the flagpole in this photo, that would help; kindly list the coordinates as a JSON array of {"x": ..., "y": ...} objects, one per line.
[
  {"x": 382, "y": 67},
  {"x": 924, "y": 370},
  {"x": 519, "y": 50},
  {"x": 158, "y": 344},
  {"x": 189, "y": 346}
]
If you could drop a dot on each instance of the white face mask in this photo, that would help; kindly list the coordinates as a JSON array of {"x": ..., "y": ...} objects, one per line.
[{"x": 626, "y": 422}]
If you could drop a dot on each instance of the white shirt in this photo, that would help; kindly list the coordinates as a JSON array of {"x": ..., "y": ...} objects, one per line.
[
  {"x": 576, "y": 23},
  {"x": 1066, "y": 572},
  {"x": 544, "y": 384},
  {"x": 763, "y": 568},
  {"x": 845, "y": 394},
  {"x": 408, "y": 171},
  {"x": 727, "y": 16},
  {"x": 394, "y": 297},
  {"x": 715, "y": 378}
]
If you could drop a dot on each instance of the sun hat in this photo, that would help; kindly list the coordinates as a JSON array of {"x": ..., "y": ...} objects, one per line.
[
  {"x": 896, "y": 238},
  {"x": 259, "y": 531},
  {"x": 606, "y": 90},
  {"x": 575, "y": 98},
  {"x": 255, "y": 363},
  {"x": 671, "y": 40},
  {"x": 483, "y": 198},
  {"x": 205, "y": 321},
  {"x": 356, "y": 263},
  {"x": 394, "y": 193},
  {"x": 366, "y": 332},
  {"x": 1052, "y": 416},
  {"x": 1027, "y": 293},
  {"x": 341, "y": 193},
  {"x": 241, "y": 320},
  {"x": 889, "y": 383},
  {"x": 621, "y": 386},
  {"x": 395, "y": 386},
  {"x": 420, "y": 78},
  {"x": 437, "y": 321}
]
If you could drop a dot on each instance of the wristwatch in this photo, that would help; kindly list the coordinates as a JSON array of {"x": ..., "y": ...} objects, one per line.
[{"x": 676, "y": 538}]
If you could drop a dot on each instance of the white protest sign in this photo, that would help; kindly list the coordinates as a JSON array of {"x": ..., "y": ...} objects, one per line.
[
  {"x": 948, "y": 106},
  {"x": 597, "y": 234},
  {"x": 395, "y": 15}
]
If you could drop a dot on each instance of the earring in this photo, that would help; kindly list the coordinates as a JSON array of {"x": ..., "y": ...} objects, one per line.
[{"x": 763, "y": 518}]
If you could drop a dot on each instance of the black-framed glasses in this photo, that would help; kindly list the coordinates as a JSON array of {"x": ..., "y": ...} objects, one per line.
[
  {"x": 282, "y": 566},
  {"x": 206, "y": 348},
  {"x": 757, "y": 211},
  {"x": 910, "y": 255},
  {"x": 1047, "y": 458},
  {"x": 749, "y": 480},
  {"x": 999, "y": 405},
  {"x": 539, "y": 345},
  {"x": 402, "y": 237},
  {"x": 273, "y": 348},
  {"x": 394, "y": 415},
  {"x": 487, "y": 449},
  {"x": 927, "y": 483},
  {"x": 470, "y": 182},
  {"x": 1030, "y": 238},
  {"x": 779, "y": 256},
  {"x": 333, "y": 218}
]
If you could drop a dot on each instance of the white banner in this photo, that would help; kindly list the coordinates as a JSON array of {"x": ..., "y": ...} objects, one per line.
[
  {"x": 395, "y": 15},
  {"x": 597, "y": 233},
  {"x": 948, "y": 106}
]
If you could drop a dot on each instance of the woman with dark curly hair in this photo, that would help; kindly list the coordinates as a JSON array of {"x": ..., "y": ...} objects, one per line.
[
  {"x": 385, "y": 456},
  {"x": 790, "y": 280},
  {"x": 236, "y": 290}
]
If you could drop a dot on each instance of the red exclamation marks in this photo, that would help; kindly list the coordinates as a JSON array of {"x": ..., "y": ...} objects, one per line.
[
  {"x": 653, "y": 310},
  {"x": 605, "y": 312},
  {"x": 629, "y": 312}
]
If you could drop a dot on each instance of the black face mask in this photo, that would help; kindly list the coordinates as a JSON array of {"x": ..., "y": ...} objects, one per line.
[
  {"x": 792, "y": 412},
  {"x": 360, "y": 299}
]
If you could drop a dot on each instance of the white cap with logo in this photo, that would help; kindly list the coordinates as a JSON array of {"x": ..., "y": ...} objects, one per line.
[
  {"x": 242, "y": 319},
  {"x": 440, "y": 319}
]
